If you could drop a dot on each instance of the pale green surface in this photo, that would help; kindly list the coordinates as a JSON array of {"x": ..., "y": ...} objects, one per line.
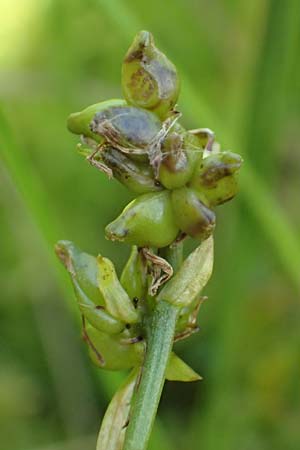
[
  {"x": 241, "y": 71},
  {"x": 147, "y": 221}
]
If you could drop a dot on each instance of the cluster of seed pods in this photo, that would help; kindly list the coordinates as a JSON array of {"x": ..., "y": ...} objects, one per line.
[{"x": 178, "y": 177}]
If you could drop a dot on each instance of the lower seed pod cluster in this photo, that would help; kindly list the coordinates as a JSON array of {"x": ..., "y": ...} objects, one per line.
[{"x": 113, "y": 311}]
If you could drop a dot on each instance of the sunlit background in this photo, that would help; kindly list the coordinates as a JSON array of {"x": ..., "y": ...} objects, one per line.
[{"x": 239, "y": 63}]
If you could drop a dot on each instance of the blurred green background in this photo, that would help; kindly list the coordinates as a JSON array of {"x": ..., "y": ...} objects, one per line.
[{"x": 239, "y": 63}]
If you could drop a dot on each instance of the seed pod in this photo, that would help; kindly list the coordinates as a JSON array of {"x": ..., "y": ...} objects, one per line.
[
  {"x": 224, "y": 191},
  {"x": 147, "y": 221},
  {"x": 96, "y": 315},
  {"x": 187, "y": 283},
  {"x": 191, "y": 215},
  {"x": 134, "y": 275},
  {"x": 79, "y": 122},
  {"x": 149, "y": 79},
  {"x": 180, "y": 155},
  {"x": 82, "y": 268},
  {"x": 116, "y": 355},
  {"x": 117, "y": 302},
  {"x": 216, "y": 177},
  {"x": 128, "y": 128},
  {"x": 136, "y": 176}
]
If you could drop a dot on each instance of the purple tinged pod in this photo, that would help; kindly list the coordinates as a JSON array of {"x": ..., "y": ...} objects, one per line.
[
  {"x": 191, "y": 214},
  {"x": 149, "y": 78},
  {"x": 216, "y": 177},
  {"x": 137, "y": 176},
  {"x": 148, "y": 221},
  {"x": 127, "y": 128},
  {"x": 180, "y": 154},
  {"x": 79, "y": 122}
]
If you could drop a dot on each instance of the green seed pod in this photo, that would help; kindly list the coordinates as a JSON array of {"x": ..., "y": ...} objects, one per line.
[
  {"x": 117, "y": 302},
  {"x": 188, "y": 282},
  {"x": 128, "y": 128},
  {"x": 149, "y": 79},
  {"x": 191, "y": 215},
  {"x": 134, "y": 275},
  {"x": 216, "y": 177},
  {"x": 147, "y": 221},
  {"x": 82, "y": 268},
  {"x": 181, "y": 153},
  {"x": 224, "y": 191},
  {"x": 79, "y": 122},
  {"x": 96, "y": 315},
  {"x": 136, "y": 176},
  {"x": 116, "y": 355}
]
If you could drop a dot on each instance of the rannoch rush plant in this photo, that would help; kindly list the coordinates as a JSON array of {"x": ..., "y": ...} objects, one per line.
[{"x": 179, "y": 176}]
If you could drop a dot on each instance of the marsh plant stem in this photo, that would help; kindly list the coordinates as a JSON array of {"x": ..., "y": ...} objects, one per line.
[
  {"x": 160, "y": 334},
  {"x": 160, "y": 331}
]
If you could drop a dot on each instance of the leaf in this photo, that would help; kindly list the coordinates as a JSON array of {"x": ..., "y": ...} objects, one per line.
[
  {"x": 113, "y": 428},
  {"x": 134, "y": 275},
  {"x": 82, "y": 267},
  {"x": 117, "y": 302},
  {"x": 192, "y": 276},
  {"x": 96, "y": 316},
  {"x": 178, "y": 370}
]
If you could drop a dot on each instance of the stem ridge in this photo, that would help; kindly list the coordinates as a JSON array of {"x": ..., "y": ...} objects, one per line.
[{"x": 145, "y": 403}]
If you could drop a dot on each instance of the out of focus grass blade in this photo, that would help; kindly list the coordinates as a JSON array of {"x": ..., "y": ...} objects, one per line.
[
  {"x": 262, "y": 119},
  {"x": 268, "y": 94},
  {"x": 33, "y": 195},
  {"x": 35, "y": 199},
  {"x": 45, "y": 314}
]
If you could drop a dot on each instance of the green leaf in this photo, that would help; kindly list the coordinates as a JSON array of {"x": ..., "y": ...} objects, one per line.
[
  {"x": 178, "y": 370},
  {"x": 117, "y": 302},
  {"x": 82, "y": 267},
  {"x": 134, "y": 275},
  {"x": 112, "y": 432},
  {"x": 97, "y": 316},
  {"x": 192, "y": 276}
]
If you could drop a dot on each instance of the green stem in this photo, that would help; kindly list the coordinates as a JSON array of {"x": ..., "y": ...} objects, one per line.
[
  {"x": 160, "y": 334},
  {"x": 173, "y": 254}
]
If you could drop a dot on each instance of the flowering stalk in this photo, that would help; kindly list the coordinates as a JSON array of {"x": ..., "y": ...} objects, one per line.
[
  {"x": 160, "y": 335},
  {"x": 179, "y": 177}
]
